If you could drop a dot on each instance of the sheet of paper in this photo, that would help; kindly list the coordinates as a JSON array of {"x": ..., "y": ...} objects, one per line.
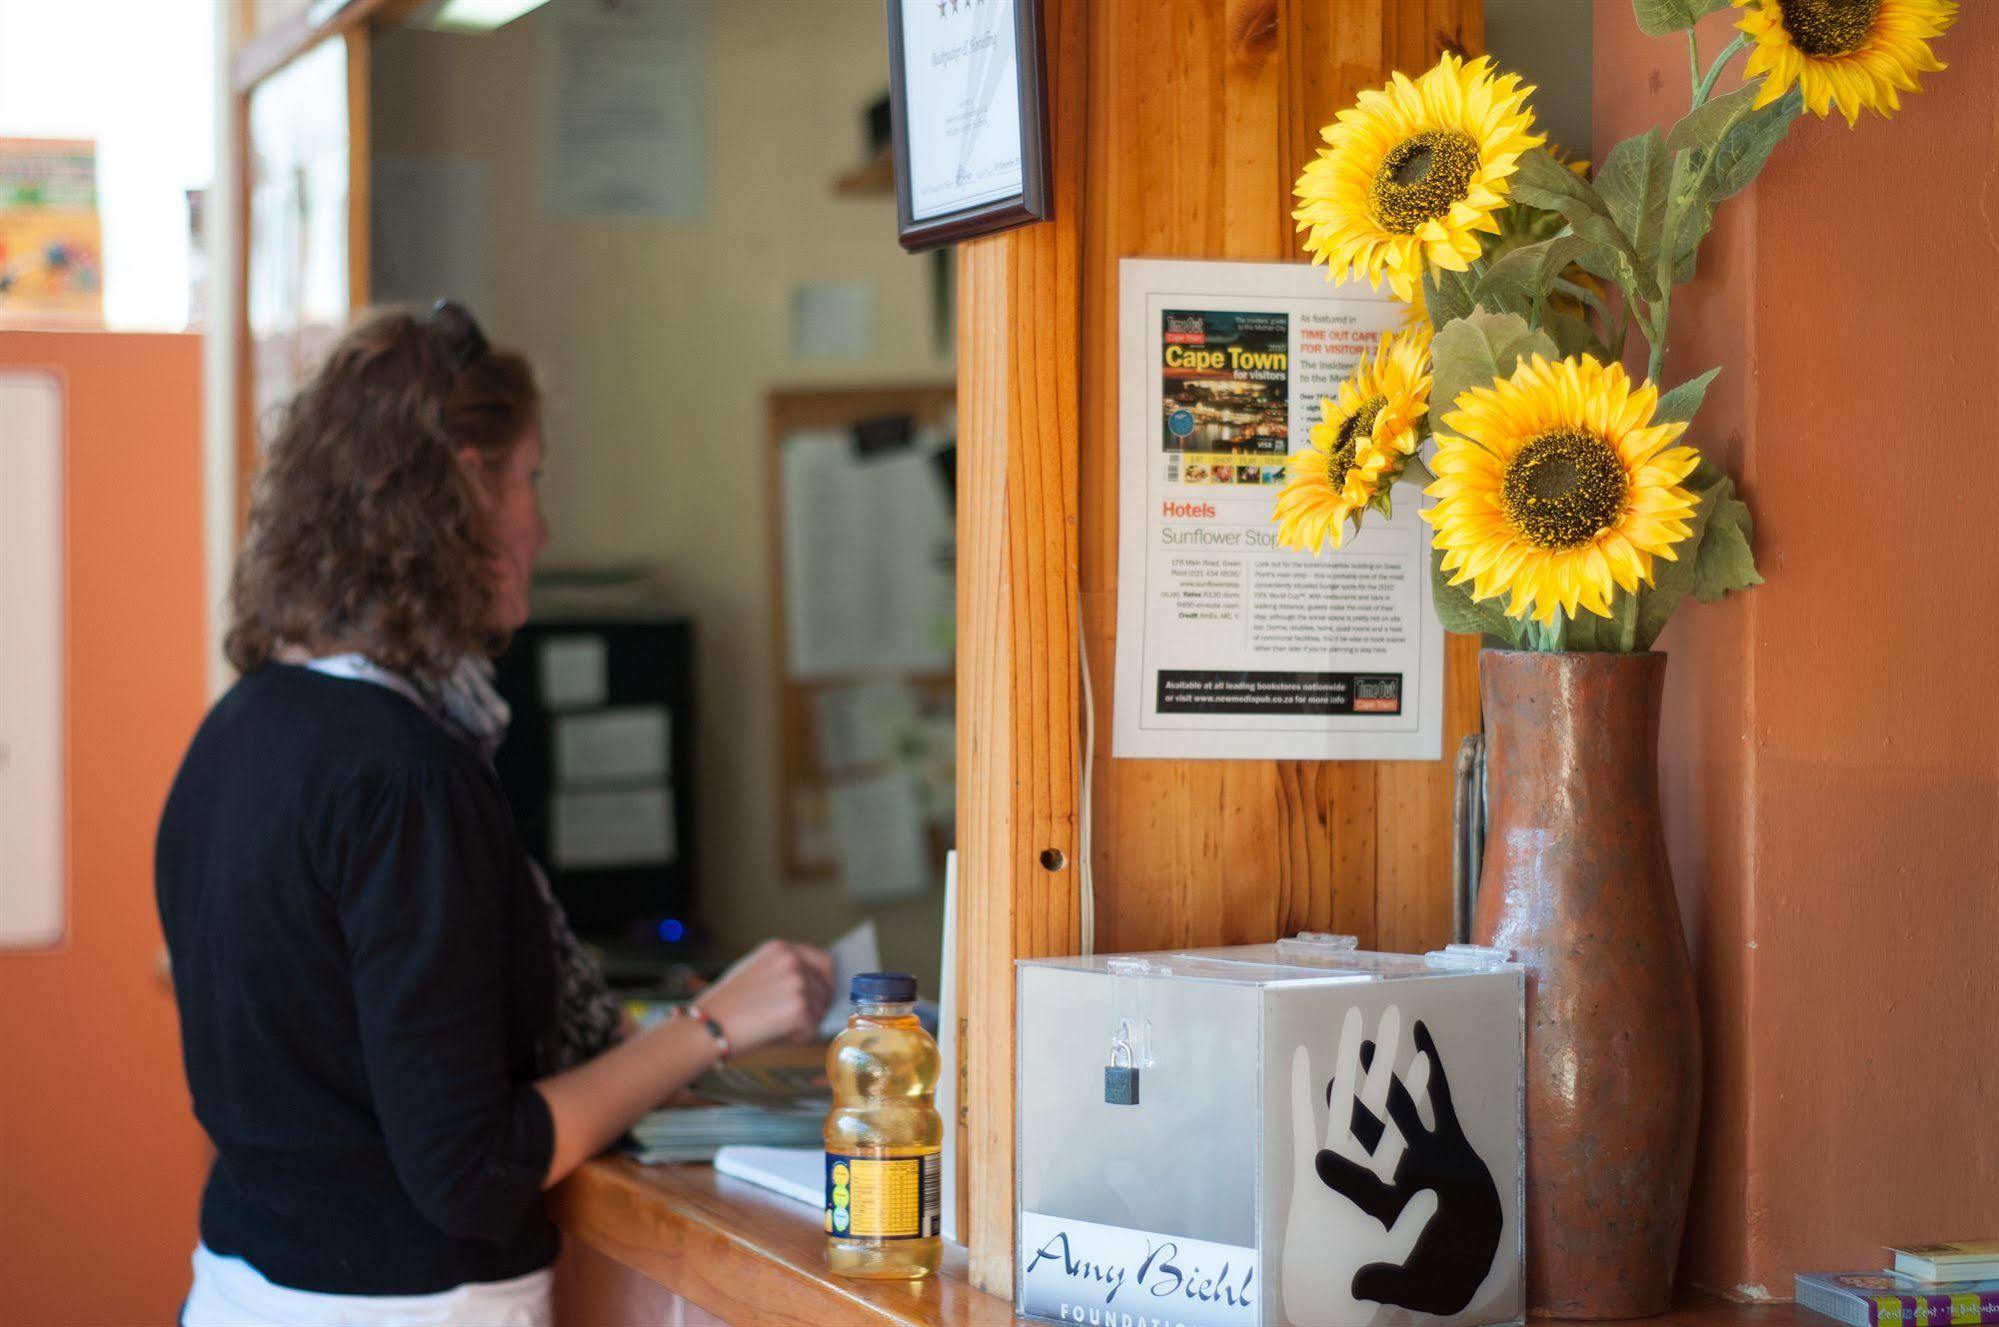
[
  {"x": 812, "y": 843},
  {"x": 33, "y": 892},
  {"x": 573, "y": 671},
  {"x": 617, "y": 745},
  {"x": 432, "y": 219},
  {"x": 832, "y": 320},
  {"x": 861, "y": 725},
  {"x": 962, "y": 78},
  {"x": 859, "y": 950},
  {"x": 623, "y": 109},
  {"x": 597, "y": 828},
  {"x": 1229, "y": 647},
  {"x": 867, "y": 553},
  {"x": 799, "y": 1173},
  {"x": 878, "y": 827}
]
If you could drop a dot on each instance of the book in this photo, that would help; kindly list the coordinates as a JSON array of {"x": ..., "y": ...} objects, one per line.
[
  {"x": 1889, "y": 1299},
  {"x": 1964, "y": 1260},
  {"x": 799, "y": 1173}
]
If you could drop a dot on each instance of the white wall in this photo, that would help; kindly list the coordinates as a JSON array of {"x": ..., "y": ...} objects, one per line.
[{"x": 658, "y": 342}]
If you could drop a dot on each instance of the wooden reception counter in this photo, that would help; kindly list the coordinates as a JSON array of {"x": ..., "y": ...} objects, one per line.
[
  {"x": 741, "y": 1253},
  {"x": 635, "y": 1236}
]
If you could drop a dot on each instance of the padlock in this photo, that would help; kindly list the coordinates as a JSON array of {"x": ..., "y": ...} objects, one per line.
[{"x": 1120, "y": 1080}]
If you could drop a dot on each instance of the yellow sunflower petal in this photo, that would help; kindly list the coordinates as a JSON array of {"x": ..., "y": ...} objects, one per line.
[
  {"x": 1840, "y": 54},
  {"x": 1555, "y": 490},
  {"x": 1412, "y": 172}
]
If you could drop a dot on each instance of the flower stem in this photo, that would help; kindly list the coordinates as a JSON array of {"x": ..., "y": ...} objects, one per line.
[
  {"x": 1705, "y": 85},
  {"x": 1657, "y": 335}
]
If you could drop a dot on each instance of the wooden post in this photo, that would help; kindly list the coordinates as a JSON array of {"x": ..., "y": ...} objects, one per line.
[
  {"x": 1019, "y": 691},
  {"x": 1176, "y": 128}
]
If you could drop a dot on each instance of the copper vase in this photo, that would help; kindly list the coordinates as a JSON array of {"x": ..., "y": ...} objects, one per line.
[{"x": 1576, "y": 884}]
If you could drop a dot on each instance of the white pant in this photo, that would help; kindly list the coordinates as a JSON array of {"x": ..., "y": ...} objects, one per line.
[{"x": 229, "y": 1292}]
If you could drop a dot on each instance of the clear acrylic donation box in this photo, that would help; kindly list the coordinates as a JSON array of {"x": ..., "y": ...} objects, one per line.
[{"x": 1287, "y": 1135}]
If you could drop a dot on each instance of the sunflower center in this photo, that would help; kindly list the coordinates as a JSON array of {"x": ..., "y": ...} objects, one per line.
[
  {"x": 1421, "y": 177},
  {"x": 1346, "y": 442},
  {"x": 1823, "y": 29},
  {"x": 1564, "y": 488}
]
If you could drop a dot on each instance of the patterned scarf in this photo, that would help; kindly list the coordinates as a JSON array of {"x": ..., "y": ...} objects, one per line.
[{"x": 588, "y": 1018}]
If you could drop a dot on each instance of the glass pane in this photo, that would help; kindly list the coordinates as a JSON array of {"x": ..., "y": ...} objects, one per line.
[
  {"x": 98, "y": 227},
  {"x": 298, "y": 291}
]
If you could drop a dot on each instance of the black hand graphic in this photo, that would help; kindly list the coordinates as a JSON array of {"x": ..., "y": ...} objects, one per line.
[{"x": 1453, "y": 1254}]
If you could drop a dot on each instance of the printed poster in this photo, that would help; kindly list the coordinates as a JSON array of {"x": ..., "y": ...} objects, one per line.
[{"x": 1230, "y": 647}]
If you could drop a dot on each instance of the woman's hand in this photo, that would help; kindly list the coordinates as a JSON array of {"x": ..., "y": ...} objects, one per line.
[{"x": 778, "y": 992}]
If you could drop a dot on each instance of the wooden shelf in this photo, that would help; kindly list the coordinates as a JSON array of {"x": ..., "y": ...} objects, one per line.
[{"x": 749, "y": 1256}]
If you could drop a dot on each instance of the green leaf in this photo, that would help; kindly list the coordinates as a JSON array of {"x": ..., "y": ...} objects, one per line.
[
  {"x": 1543, "y": 182},
  {"x": 1657, "y": 18},
  {"x": 1617, "y": 634},
  {"x": 1682, "y": 403},
  {"x": 1740, "y": 140},
  {"x": 1746, "y": 147},
  {"x": 1714, "y": 558},
  {"x": 1524, "y": 276},
  {"x": 1724, "y": 560},
  {"x": 1476, "y": 351},
  {"x": 1467, "y": 616},
  {"x": 1632, "y": 182},
  {"x": 1572, "y": 336},
  {"x": 1446, "y": 296},
  {"x": 1704, "y": 126}
]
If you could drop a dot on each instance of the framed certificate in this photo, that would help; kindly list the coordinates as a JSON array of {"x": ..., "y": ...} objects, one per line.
[{"x": 965, "y": 88}]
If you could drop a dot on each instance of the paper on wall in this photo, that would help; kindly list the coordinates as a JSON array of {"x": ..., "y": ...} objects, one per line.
[
  {"x": 33, "y": 888},
  {"x": 868, "y": 577},
  {"x": 573, "y": 672},
  {"x": 612, "y": 746},
  {"x": 623, "y": 109},
  {"x": 593, "y": 829},
  {"x": 878, "y": 827},
  {"x": 812, "y": 842},
  {"x": 1228, "y": 646},
  {"x": 857, "y": 726},
  {"x": 832, "y": 320},
  {"x": 963, "y": 123}
]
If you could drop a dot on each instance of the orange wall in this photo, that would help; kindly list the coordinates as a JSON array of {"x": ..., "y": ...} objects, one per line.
[
  {"x": 100, "y": 1159},
  {"x": 1831, "y": 761}
]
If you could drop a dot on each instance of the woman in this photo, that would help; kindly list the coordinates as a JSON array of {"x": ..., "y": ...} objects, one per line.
[{"x": 389, "y": 1033}]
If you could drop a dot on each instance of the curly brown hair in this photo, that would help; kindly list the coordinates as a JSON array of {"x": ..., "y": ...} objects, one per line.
[{"x": 367, "y": 531}]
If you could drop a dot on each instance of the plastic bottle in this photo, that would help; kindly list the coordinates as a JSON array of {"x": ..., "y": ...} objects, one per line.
[{"x": 883, "y": 1137}]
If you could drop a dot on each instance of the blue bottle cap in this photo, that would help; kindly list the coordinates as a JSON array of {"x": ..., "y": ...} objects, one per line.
[{"x": 883, "y": 988}]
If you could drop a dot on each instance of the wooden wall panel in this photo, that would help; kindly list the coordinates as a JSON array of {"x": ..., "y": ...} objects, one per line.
[
  {"x": 1200, "y": 117},
  {"x": 1176, "y": 127}
]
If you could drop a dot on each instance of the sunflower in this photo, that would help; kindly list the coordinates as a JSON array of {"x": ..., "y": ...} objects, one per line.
[
  {"x": 1359, "y": 446},
  {"x": 1852, "y": 53},
  {"x": 1413, "y": 172},
  {"x": 1557, "y": 488}
]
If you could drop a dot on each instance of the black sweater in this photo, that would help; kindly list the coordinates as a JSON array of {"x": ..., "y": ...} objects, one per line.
[{"x": 361, "y": 961}]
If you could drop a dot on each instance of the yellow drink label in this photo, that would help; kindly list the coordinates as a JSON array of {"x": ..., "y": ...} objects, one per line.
[{"x": 882, "y": 1197}]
